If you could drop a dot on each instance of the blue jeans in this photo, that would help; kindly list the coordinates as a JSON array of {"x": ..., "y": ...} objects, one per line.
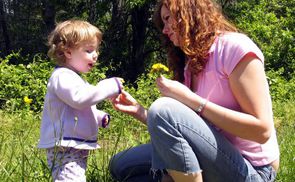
[{"x": 181, "y": 140}]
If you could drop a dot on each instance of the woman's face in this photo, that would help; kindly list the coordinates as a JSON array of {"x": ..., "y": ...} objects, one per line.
[{"x": 168, "y": 22}]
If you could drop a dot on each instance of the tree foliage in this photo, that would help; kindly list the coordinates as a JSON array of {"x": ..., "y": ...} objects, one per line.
[
  {"x": 130, "y": 41},
  {"x": 270, "y": 23}
]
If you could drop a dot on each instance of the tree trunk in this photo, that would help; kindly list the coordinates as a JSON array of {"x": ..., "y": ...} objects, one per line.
[
  {"x": 3, "y": 25},
  {"x": 139, "y": 21},
  {"x": 48, "y": 16},
  {"x": 116, "y": 49},
  {"x": 92, "y": 11}
]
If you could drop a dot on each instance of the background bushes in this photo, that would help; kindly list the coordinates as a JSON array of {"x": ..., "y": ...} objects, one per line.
[{"x": 19, "y": 81}]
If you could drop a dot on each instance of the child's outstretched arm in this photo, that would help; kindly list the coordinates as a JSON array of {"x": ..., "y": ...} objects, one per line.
[{"x": 72, "y": 90}]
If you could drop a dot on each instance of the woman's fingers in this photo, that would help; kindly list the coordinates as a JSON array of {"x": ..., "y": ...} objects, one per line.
[{"x": 127, "y": 98}]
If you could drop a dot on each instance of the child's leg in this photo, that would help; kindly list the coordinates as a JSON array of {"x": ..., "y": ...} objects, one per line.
[{"x": 67, "y": 164}]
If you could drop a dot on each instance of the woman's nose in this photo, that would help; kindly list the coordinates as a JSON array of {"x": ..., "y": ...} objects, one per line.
[{"x": 165, "y": 29}]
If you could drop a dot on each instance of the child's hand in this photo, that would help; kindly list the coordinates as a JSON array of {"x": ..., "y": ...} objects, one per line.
[
  {"x": 105, "y": 121},
  {"x": 120, "y": 82}
]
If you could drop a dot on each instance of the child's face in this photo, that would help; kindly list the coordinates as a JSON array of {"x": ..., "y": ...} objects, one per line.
[{"x": 82, "y": 58}]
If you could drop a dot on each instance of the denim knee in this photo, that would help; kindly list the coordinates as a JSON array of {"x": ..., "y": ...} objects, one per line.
[
  {"x": 162, "y": 108},
  {"x": 167, "y": 119},
  {"x": 132, "y": 164},
  {"x": 114, "y": 169}
]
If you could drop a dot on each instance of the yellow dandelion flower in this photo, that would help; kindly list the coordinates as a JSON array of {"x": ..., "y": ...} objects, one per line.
[
  {"x": 158, "y": 67},
  {"x": 27, "y": 100}
]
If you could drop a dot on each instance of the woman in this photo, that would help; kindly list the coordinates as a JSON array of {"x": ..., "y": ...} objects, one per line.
[{"x": 214, "y": 121}]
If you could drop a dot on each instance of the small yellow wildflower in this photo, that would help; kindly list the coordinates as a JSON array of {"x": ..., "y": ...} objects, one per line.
[
  {"x": 158, "y": 67},
  {"x": 27, "y": 100}
]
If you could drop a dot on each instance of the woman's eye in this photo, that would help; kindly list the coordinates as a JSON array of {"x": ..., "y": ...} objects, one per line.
[{"x": 167, "y": 18}]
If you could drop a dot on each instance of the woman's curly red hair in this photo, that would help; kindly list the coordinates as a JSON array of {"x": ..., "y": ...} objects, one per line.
[{"x": 199, "y": 22}]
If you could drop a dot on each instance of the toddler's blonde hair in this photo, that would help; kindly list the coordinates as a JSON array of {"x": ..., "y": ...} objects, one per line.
[{"x": 69, "y": 34}]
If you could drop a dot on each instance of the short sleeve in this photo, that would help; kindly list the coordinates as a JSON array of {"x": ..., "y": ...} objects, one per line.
[{"x": 234, "y": 46}]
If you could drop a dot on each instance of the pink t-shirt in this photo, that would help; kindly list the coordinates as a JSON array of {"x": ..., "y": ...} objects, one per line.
[{"x": 213, "y": 84}]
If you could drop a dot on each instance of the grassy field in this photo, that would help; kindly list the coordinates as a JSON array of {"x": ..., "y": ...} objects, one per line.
[{"x": 20, "y": 160}]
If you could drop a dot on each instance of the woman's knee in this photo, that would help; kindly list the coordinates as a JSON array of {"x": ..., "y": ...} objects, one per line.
[
  {"x": 162, "y": 107},
  {"x": 114, "y": 167},
  {"x": 131, "y": 162}
]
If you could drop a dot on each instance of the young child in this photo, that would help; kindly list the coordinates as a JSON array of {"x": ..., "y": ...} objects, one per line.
[{"x": 70, "y": 119}]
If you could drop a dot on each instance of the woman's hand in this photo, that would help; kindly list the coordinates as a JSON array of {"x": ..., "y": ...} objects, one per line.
[
  {"x": 127, "y": 104},
  {"x": 171, "y": 88}
]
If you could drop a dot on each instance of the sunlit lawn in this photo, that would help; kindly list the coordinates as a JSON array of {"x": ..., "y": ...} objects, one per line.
[{"x": 20, "y": 160}]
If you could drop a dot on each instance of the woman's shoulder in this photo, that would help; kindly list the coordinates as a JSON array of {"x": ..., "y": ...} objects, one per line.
[
  {"x": 233, "y": 46},
  {"x": 240, "y": 42},
  {"x": 235, "y": 38}
]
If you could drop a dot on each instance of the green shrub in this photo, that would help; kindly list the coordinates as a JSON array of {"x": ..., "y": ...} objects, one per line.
[
  {"x": 20, "y": 81},
  {"x": 281, "y": 89},
  {"x": 270, "y": 23}
]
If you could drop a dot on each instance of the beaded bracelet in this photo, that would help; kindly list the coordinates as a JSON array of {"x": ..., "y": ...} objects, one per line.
[{"x": 200, "y": 109}]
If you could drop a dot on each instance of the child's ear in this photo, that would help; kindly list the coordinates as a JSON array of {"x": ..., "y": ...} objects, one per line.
[{"x": 68, "y": 53}]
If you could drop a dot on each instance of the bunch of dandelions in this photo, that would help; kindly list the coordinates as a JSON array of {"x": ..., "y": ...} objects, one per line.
[{"x": 159, "y": 69}]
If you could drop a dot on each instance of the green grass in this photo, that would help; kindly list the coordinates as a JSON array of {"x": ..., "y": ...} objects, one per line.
[
  {"x": 285, "y": 123},
  {"x": 20, "y": 160}
]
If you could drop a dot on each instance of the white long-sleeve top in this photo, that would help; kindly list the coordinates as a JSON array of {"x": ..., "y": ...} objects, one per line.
[{"x": 70, "y": 117}]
